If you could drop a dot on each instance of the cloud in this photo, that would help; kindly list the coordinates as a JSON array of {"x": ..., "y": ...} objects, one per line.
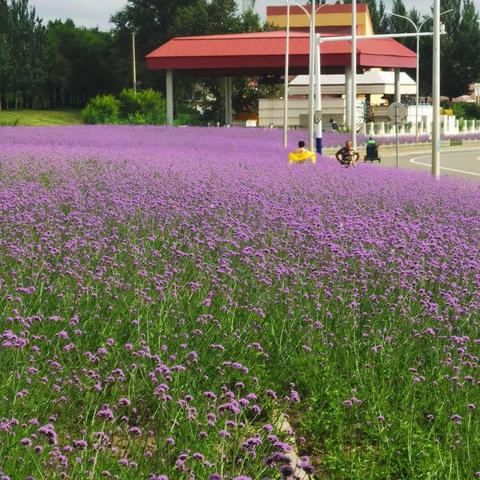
[
  {"x": 88, "y": 13},
  {"x": 96, "y": 13}
]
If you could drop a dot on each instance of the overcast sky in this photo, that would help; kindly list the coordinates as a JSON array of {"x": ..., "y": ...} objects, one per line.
[{"x": 96, "y": 13}]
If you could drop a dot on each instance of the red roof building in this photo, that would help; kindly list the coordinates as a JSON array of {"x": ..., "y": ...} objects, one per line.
[
  {"x": 264, "y": 53},
  {"x": 250, "y": 54}
]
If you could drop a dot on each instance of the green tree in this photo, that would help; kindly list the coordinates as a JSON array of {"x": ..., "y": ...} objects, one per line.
[
  {"x": 210, "y": 17},
  {"x": 460, "y": 62},
  {"x": 151, "y": 20},
  {"x": 26, "y": 38},
  {"x": 5, "y": 51},
  {"x": 81, "y": 64},
  {"x": 460, "y": 59}
]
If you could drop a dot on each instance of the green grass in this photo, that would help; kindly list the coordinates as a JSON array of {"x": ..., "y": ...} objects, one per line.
[{"x": 32, "y": 118}]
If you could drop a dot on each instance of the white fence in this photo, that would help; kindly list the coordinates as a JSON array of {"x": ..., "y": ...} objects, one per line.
[{"x": 450, "y": 126}]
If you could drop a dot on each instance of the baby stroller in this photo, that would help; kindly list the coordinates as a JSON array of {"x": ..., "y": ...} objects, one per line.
[{"x": 371, "y": 153}]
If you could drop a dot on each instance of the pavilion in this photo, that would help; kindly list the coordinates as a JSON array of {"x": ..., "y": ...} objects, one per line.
[{"x": 261, "y": 54}]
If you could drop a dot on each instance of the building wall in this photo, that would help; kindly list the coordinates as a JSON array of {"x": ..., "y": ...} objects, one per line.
[
  {"x": 270, "y": 111},
  {"x": 324, "y": 18}
]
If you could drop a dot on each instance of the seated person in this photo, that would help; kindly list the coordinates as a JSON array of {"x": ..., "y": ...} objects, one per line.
[
  {"x": 302, "y": 154},
  {"x": 371, "y": 150},
  {"x": 333, "y": 124},
  {"x": 347, "y": 156}
]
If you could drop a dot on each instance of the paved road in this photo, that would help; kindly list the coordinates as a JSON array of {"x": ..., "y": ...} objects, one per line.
[{"x": 458, "y": 161}]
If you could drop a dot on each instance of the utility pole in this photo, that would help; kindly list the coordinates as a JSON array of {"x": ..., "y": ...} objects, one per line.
[{"x": 134, "y": 63}]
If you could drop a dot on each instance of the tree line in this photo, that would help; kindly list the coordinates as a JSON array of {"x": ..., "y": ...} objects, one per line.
[
  {"x": 61, "y": 65},
  {"x": 54, "y": 65}
]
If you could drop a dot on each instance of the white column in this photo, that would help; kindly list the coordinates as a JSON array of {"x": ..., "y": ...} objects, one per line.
[
  {"x": 348, "y": 96},
  {"x": 398, "y": 96},
  {"x": 169, "y": 97}
]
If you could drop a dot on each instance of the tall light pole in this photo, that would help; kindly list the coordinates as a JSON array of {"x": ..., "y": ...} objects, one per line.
[
  {"x": 286, "y": 93},
  {"x": 353, "y": 96},
  {"x": 310, "y": 63},
  {"x": 311, "y": 81},
  {"x": 134, "y": 62},
  {"x": 436, "y": 91},
  {"x": 418, "y": 29},
  {"x": 313, "y": 48},
  {"x": 318, "y": 98}
]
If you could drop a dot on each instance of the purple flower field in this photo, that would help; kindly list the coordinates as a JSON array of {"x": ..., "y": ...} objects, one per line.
[{"x": 170, "y": 295}]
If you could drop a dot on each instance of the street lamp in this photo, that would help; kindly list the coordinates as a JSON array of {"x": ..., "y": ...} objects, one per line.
[
  {"x": 418, "y": 29},
  {"x": 353, "y": 86},
  {"x": 129, "y": 25},
  {"x": 310, "y": 71},
  {"x": 436, "y": 90},
  {"x": 314, "y": 123},
  {"x": 134, "y": 62}
]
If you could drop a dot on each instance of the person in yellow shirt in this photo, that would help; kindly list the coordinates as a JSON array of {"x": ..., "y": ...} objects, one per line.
[{"x": 302, "y": 155}]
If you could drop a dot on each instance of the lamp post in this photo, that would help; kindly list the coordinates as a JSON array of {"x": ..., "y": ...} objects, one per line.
[
  {"x": 134, "y": 62},
  {"x": 418, "y": 29},
  {"x": 286, "y": 87},
  {"x": 318, "y": 98},
  {"x": 353, "y": 95},
  {"x": 314, "y": 128},
  {"x": 285, "y": 94},
  {"x": 311, "y": 81},
  {"x": 436, "y": 91}
]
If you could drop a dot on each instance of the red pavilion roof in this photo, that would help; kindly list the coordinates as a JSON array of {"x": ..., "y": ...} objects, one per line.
[{"x": 264, "y": 52}]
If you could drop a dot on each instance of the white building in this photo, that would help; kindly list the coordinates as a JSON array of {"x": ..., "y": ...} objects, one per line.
[{"x": 374, "y": 88}]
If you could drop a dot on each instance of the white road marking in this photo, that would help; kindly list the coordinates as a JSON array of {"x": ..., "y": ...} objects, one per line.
[{"x": 415, "y": 162}]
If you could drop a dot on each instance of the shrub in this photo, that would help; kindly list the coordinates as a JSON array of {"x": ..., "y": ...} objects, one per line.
[
  {"x": 9, "y": 123},
  {"x": 145, "y": 107},
  {"x": 469, "y": 111},
  {"x": 188, "y": 117},
  {"x": 101, "y": 109},
  {"x": 472, "y": 111}
]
